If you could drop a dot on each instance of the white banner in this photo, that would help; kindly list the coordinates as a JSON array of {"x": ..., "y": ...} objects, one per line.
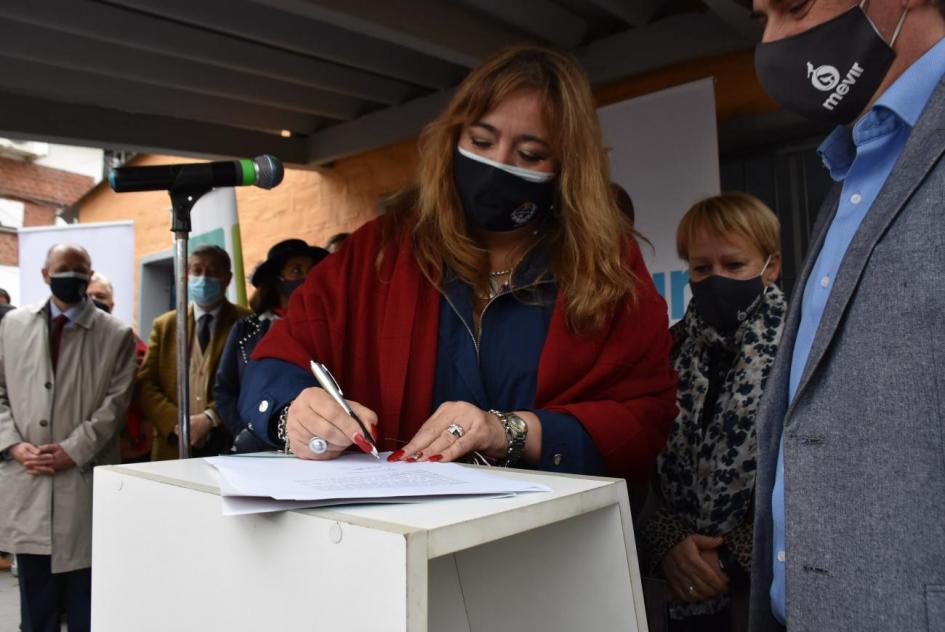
[
  {"x": 110, "y": 244},
  {"x": 215, "y": 221},
  {"x": 664, "y": 152}
]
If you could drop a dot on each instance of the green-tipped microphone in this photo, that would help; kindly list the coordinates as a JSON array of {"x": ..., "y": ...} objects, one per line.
[{"x": 263, "y": 171}]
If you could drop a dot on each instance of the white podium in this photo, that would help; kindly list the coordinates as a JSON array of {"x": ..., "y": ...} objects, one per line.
[{"x": 165, "y": 559}]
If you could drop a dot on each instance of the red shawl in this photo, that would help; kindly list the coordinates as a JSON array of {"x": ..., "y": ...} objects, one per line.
[{"x": 376, "y": 330}]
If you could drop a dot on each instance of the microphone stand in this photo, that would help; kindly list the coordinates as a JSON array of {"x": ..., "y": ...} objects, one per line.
[{"x": 182, "y": 203}]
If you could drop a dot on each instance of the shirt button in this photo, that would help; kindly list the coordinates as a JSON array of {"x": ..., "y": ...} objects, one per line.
[
  {"x": 43, "y": 423},
  {"x": 825, "y": 282},
  {"x": 557, "y": 458},
  {"x": 263, "y": 406},
  {"x": 781, "y": 556},
  {"x": 856, "y": 198},
  {"x": 48, "y": 385}
]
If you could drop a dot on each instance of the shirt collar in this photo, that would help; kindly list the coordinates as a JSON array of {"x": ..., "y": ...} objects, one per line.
[
  {"x": 199, "y": 311},
  {"x": 910, "y": 93},
  {"x": 903, "y": 102},
  {"x": 838, "y": 151},
  {"x": 72, "y": 313}
]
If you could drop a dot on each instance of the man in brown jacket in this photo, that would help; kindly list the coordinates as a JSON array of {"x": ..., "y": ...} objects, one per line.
[
  {"x": 209, "y": 321},
  {"x": 66, "y": 373}
]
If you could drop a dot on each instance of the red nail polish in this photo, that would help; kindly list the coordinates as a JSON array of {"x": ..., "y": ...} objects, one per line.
[
  {"x": 374, "y": 432},
  {"x": 435, "y": 458},
  {"x": 362, "y": 443},
  {"x": 395, "y": 456},
  {"x": 411, "y": 460}
]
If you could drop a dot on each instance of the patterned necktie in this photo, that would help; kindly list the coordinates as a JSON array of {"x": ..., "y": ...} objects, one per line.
[
  {"x": 203, "y": 331},
  {"x": 59, "y": 322}
]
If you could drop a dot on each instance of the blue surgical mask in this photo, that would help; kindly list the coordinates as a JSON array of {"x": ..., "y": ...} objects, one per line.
[{"x": 204, "y": 290}]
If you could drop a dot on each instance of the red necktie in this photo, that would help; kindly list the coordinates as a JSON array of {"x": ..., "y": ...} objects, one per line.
[{"x": 59, "y": 322}]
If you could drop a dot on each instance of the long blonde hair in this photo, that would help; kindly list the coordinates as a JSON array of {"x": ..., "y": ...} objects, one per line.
[{"x": 586, "y": 236}]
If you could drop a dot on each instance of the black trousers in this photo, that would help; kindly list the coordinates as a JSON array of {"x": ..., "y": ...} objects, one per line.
[{"x": 47, "y": 596}]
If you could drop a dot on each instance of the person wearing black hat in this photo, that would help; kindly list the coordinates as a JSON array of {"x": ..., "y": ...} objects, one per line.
[{"x": 284, "y": 269}]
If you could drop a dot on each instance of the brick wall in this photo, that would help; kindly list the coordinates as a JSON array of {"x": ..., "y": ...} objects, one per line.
[
  {"x": 310, "y": 204},
  {"x": 23, "y": 180},
  {"x": 36, "y": 215},
  {"x": 9, "y": 249},
  {"x": 43, "y": 191}
]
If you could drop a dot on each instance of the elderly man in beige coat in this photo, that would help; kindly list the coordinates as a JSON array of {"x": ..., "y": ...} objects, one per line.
[{"x": 66, "y": 375}]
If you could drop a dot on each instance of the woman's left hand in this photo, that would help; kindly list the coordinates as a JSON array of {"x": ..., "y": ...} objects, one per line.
[
  {"x": 482, "y": 432},
  {"x": 694, "y": 576}
]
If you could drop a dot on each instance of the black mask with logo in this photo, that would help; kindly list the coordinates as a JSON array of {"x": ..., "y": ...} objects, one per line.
[
  {"x": 830, "y": 72},
  {"x": 497, "y": 199},
  {"x": 69, "y": 287},
  {"x": 726, "y": 303}
]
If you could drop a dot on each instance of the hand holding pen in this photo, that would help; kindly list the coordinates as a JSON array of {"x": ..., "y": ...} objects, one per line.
[
  {"x": 327, "y": 381},
  {"x": 323, "y": 413}
]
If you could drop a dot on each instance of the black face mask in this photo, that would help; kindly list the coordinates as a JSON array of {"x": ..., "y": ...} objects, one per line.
[
  {"x": 102, "y": 306},
  {"x": 69, "y": 287},
  {"x": 287, "y": 287},
  {"x": 725, "y": 303},
  {"x": 828, "y": 73},
  {"x": 497, "y": 199}
]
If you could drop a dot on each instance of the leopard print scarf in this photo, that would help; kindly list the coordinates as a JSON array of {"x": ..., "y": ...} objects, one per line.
[{"x": 708, "y": 475}]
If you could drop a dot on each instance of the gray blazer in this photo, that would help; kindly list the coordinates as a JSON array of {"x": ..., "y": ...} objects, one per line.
[{"x": 864, "y": 438}]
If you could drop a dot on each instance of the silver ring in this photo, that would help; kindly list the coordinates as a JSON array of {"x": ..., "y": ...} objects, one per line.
[
  {"x": 456, "y": 430},
  {"x": 317, "y": 445}
]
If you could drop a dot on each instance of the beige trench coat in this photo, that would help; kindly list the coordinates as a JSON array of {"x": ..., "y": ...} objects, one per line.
[{"x": 81, "y": 408}]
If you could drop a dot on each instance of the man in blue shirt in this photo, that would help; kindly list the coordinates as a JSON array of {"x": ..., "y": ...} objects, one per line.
[{"x": 852, "y": 429}]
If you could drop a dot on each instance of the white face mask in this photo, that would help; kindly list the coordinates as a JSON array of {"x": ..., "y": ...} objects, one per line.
[{"x": 525, "y": 174}]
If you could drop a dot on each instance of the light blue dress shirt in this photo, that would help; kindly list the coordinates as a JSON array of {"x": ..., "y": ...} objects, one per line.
[
  {"x": 862, "y": 159},
  {"x": 71, "y": 313}
]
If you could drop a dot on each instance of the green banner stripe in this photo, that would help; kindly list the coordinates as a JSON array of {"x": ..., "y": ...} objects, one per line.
[{"x": 239, "y": 274}]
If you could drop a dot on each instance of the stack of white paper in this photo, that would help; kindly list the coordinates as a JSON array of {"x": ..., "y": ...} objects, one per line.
[{"x": 260, "y": 483}]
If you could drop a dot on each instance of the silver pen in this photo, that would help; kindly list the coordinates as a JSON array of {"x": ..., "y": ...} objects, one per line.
[{"x": 327, "y": 382}]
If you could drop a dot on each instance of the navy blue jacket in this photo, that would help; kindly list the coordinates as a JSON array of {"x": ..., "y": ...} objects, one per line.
[
  {"x": 499, "y": 371},
  {"x": 244, "y": 335}
]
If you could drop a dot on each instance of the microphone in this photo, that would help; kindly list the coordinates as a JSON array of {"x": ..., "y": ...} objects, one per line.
[{"x": 263, "y": 171}]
